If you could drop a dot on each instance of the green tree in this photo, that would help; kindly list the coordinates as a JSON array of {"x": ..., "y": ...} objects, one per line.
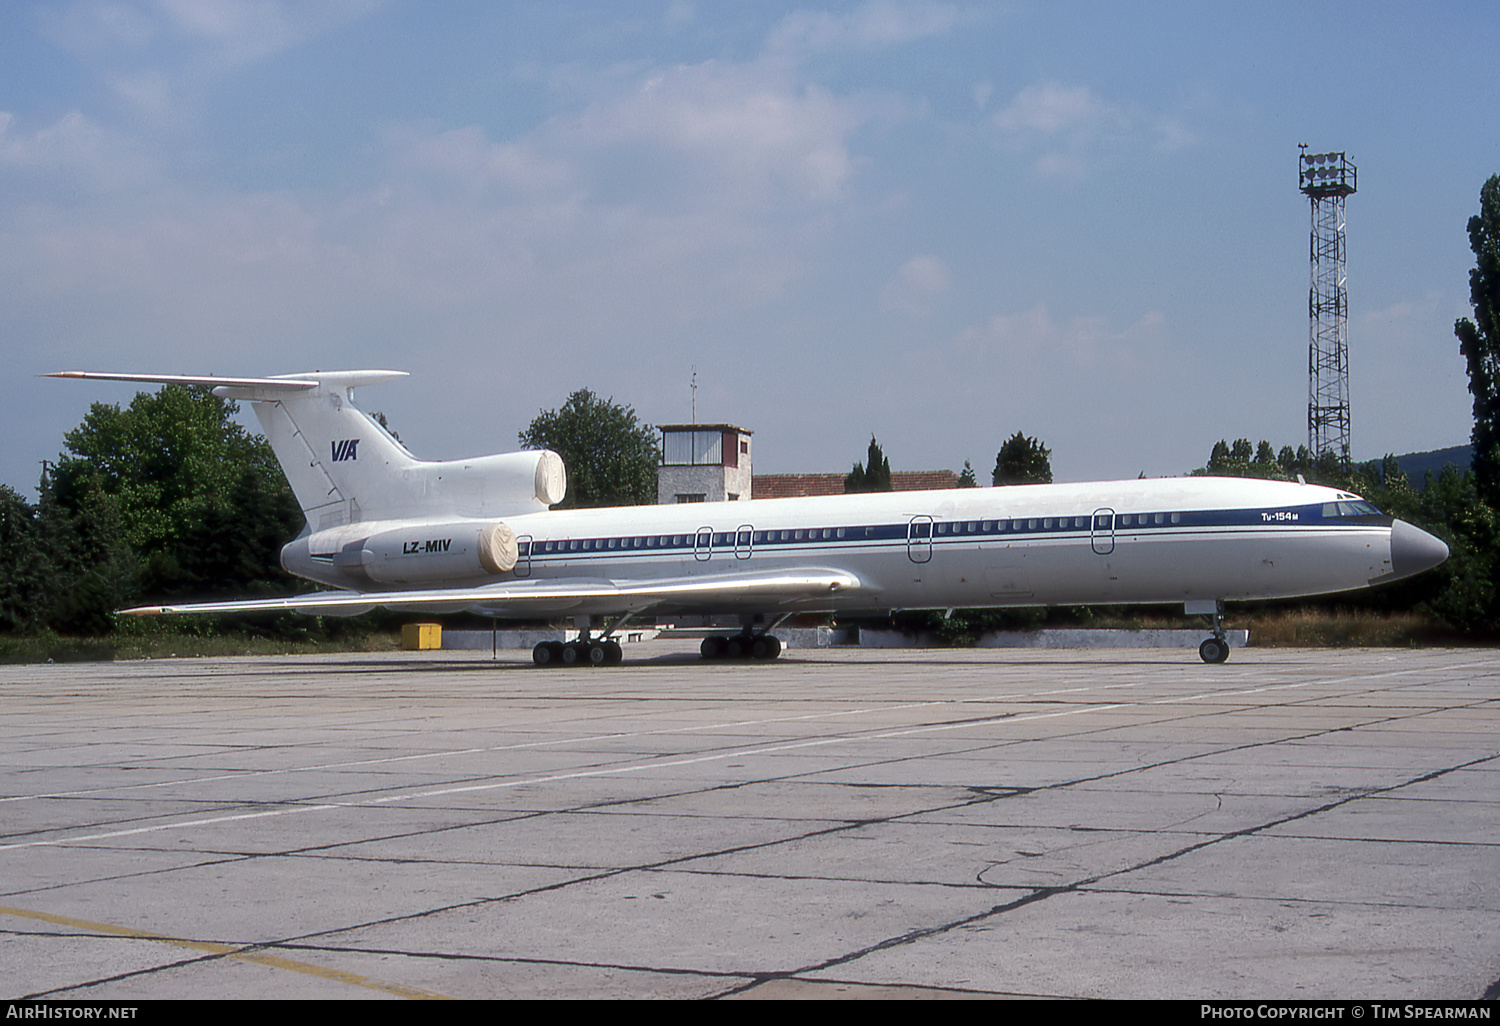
[
  {"x": 874, "y": 475},
  {"x": 1479, "y": 340},
  {"x": 610, "y": 457},
  {"x": 1023, "y": 460},
  {"x": 1241, "y": 459},
  {"x": 1462, "y": 591},
  {"x": 22, "y": 564},
  {"x": 966, "y": 478},
  {"x": 90, "y": 569},
  {"x": 200, "y": 503}
]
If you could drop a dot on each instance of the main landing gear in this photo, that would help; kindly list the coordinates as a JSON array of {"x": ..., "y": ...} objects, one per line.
[
  {"x": 597, "y": 652},
  {"x": 586, "y": 651},
  {"x": 747, "y": 644},
  {"x": 741, "y": 646}
]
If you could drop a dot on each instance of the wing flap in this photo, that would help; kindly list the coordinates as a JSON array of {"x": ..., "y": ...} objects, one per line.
[{"x": 730, "y": 591}]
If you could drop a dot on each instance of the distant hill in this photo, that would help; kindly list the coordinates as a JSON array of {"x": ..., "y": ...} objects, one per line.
[{"x": 1416, "y": 464}]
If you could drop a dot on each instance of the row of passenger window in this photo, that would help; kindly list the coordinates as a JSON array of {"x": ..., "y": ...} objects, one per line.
[
  {"x": 700, "y": 540},
  {"x": 655, "y": 541},
  {"x": 1101, "y": 523},
  {"x": 741, "y": 539}
]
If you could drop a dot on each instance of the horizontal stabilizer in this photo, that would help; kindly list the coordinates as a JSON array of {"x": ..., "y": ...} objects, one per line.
[
  {"x": 540, "y": 597},
  {"x": 265, "y": 389},
  {"x": 290, "y": 384}
]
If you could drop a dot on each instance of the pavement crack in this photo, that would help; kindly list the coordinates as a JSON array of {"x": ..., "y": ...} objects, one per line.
[{"x": 1041, "y": 894}]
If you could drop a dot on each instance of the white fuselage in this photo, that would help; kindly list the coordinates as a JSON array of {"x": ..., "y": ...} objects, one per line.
[
  {"x": 1180, "y": 540},
  {"x": 397, "y": 532}
]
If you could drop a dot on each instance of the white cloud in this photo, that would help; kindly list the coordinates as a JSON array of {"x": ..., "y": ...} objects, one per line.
[
  {"x": 1069, "y": 127},
  {"x": 235, "y": 30},
  {"x": 735, "y": 137},
  {"x": 874, "y": 25},
  {"x": 749, "y": 128},
  {"x": 679, "y": 13},
  {"x": 916, "y": 285},
  {"x": 74, "y": 153},
  {"x": 1404, "y": 349},
  {"x": 1050, "y": 108},
  {"x": 1083, "y": 341},
  {"x": 149, "y": 93},
  {"x": 466, "y": 158},
  {"x": 698, "y": 191},
  {"x": 630, "y": 231},
  {"x": 159, "y": 56},
  {"x": 240, "y": 31},
  {"x": 98, "y": 26}
]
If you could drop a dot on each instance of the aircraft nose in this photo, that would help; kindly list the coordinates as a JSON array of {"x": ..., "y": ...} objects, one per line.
[{"x": 1414, "y": 550}]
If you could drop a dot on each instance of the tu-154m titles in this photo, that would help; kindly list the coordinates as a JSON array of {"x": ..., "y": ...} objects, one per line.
[{"x": 407, "y": 534}]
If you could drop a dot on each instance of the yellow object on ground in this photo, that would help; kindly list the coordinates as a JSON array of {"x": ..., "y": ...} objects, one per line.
[{"x": 419, "y": 637}]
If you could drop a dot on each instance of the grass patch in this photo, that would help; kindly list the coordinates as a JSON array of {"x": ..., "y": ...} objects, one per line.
[
  {"x": 1317, "y": 627},
  {"x": 48, "y": 647},
  {"x": 1277, "y": 627},
  {"x": 1271, "y": 626}
]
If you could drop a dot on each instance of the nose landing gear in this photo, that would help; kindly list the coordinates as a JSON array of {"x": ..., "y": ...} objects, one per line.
[{"x": 1216, "y": 648}]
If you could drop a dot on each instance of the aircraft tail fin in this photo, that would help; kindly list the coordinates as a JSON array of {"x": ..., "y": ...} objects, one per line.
[{"x": 344, "y": 467}]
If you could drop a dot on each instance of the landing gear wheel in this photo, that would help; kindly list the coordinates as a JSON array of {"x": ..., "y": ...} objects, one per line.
[
  {"x": 1214, "y": 650},
  {"x": 736, "y": 647},
  {"x": 613, "y": 653},
  {"x": 544, "y": 655},
  {"x": 766, "y": 647},
  {"x": 572, "y": 654},
  {"x": 712, "y": 647},
  {"x": 598, "y": 653}
]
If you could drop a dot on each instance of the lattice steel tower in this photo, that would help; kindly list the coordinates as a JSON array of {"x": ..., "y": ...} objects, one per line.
[{"x": 1327, "y": 179}]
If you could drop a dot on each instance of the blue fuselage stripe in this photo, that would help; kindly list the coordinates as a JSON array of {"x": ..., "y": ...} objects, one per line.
[{"x": 924, "y": 531}]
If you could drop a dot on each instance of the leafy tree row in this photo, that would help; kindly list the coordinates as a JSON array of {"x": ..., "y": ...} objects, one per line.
[
  {"x": 874, "y": 475},
  {"x": 1021, "y": 460},
  {"x": 167, "y": 499},
  {"x": 610, "y": 456}
]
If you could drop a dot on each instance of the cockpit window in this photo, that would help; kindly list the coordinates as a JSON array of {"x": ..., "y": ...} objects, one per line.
[{"x": 1354, "y": 508}]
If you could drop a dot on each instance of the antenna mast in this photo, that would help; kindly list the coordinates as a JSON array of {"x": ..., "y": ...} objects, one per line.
[{"x": 1327, "y": 179}]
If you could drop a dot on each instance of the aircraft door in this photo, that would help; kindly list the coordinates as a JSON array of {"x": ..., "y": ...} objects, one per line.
[
  {"x": 703, "y": 544},
  {"x": 523, "y": 556},
  {"x": 1102, "y": 531},
  {"x": 919, "y": 539},
  {"x": 743, "y": 537}
]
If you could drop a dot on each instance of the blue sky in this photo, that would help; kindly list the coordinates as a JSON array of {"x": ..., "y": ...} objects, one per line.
[{"x": 940, "y": 223}]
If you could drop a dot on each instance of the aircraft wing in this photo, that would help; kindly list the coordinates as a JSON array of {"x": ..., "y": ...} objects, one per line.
[{"x": 722, "y": 592}]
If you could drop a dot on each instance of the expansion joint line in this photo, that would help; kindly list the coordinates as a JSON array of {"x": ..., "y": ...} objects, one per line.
[
  {"x": 1041, "y": 894},
  {"x": 212, "y": 951}
]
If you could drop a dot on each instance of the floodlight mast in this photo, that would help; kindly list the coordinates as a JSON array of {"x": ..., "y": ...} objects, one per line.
[{"x": 1327, "y": 179}]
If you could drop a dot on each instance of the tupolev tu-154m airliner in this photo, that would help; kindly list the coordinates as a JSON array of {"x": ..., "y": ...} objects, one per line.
[{"x": 406, "y": 534}]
